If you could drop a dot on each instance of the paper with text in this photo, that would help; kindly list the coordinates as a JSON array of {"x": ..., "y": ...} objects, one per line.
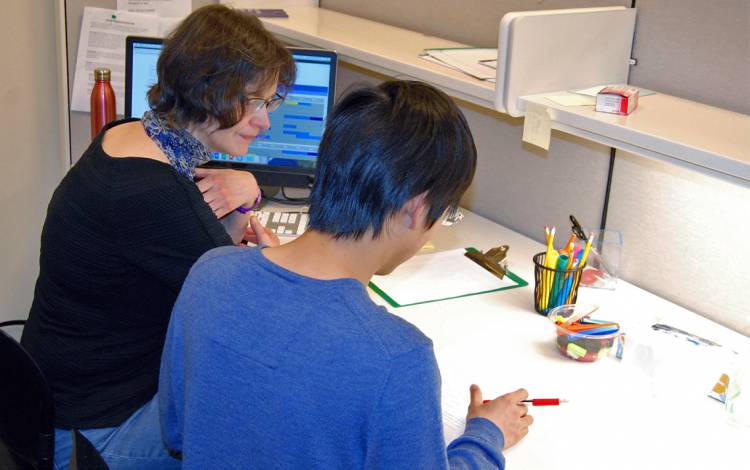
[
  {"x": 102, "y": 44},
  {"x": 437, "y": 276},
  {"x": 166, "y": 8}
]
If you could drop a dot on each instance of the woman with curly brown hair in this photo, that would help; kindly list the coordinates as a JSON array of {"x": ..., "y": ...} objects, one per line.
[{"x": 131, "y": 217}]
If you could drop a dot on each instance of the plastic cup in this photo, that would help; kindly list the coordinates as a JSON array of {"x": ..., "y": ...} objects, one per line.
[{"x": 579, "y": 346}]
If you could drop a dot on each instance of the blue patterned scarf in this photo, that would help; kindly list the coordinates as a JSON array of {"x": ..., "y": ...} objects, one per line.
[{"x": 184, "y": 151}]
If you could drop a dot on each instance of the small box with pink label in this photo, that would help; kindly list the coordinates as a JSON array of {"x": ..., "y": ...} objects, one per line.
[{"x": 617, "y": 100}]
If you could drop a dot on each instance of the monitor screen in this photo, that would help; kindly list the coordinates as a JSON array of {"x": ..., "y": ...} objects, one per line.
[{"x": 285, "y": 155}]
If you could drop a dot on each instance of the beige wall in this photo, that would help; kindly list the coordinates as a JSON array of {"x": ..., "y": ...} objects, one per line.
[{"x": 30, "y": 161}]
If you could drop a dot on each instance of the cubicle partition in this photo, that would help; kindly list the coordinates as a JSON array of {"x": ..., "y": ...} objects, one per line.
[{"x": 678, "y": 224}]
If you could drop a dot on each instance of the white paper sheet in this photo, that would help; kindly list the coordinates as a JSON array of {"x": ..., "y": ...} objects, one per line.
[
  {"x": 102, "y": 44},
  {"x": 166, "y": 8},
  {"x": 437, "y": 276},
  {"x": 269, "y": 3},
  {"x": 465, "y": 60},
  {"x": 573, "y": 100}
]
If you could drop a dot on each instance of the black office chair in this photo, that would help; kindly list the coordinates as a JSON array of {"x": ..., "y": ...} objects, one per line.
[{"x": 27, "y": 434}]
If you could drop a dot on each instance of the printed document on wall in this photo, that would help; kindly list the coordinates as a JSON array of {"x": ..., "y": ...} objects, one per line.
[
  {"x": 102, "y": 44},
  {"x": 166, "y": 8}
]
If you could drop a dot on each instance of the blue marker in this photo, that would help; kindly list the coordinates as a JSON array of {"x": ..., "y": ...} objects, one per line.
[
  {"x": 557, "y": 284},
  {"x": 569, "y": 280}
]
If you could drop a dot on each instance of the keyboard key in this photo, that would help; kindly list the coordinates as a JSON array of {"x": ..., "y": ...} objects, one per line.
[
  {"x": 263, "y": 218},
  {"x": 276, "y": 217}
]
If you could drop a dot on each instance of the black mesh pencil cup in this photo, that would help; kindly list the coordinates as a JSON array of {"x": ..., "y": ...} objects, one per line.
[{"x": 554, "y": 286}]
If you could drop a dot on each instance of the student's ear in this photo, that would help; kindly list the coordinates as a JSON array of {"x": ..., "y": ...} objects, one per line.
[{"x": 414, "y": 211}]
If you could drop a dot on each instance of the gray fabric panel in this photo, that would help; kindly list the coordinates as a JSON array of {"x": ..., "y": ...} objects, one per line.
[
  {"x": 473, "y": 22},
  {"x": 695, "y": 49},
  {"x": 685, "y": 236}
]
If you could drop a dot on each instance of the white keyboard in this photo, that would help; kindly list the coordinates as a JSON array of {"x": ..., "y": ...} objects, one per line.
[{"x": 284, "y": 224}]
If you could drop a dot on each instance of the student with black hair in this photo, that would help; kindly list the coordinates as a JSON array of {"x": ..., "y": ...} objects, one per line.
[{"x": 277, "y": 357}]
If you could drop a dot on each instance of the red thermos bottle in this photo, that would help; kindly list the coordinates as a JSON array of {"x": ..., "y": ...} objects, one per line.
[{"x": 102, "y": 101}]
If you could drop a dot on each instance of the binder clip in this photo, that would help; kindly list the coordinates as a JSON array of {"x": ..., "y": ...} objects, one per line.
[{"x": 493, "y": 260}]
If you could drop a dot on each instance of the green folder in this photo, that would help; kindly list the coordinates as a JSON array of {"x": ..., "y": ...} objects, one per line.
[{"x": 519, "y": 282}]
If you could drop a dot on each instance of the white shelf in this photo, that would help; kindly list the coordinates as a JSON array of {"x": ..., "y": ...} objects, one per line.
[
  {"x": 666, "y": 128},
  {"x": 382, "y": 48},
  {"x": 663, "y": 127}
]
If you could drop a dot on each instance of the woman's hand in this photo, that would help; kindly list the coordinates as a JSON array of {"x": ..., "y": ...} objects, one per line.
[
  {"x": 226, "y": 190},
  {"x": 260, "y": 235}
]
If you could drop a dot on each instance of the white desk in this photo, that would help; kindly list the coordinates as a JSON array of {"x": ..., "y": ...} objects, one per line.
[
  {"x": 618, "y": 417},
  {"x": 664, "y": 127}
]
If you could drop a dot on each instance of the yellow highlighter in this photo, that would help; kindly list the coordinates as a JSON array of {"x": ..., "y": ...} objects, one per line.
[
  {"x": 550, "y": 261},
  {"x": 586, "y": 250}
]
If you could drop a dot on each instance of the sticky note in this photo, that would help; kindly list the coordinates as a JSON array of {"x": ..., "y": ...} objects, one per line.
[{"x": 537, "y": 125}]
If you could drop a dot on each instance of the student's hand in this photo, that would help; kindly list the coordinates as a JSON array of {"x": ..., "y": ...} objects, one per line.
[
  {"x": 260, "y": 235},
  {"x": 226, "y": 190},
  {"x": 506, "y": 411}
]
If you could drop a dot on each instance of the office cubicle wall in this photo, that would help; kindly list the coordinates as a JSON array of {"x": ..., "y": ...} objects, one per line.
[
  {"x": 681, "y": 44},
  {"x": 686, "y": 236},
  {"x": 688, "y": 230},
  {"x": 472, "y": 22},
  {"x": 695, "y": 49}
]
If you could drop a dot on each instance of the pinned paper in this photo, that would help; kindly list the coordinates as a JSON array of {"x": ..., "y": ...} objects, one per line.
[
  {"x": 537, "y": 125},
  {"x": 102, "y": 44},
  {"x": 166, "y": 8}
]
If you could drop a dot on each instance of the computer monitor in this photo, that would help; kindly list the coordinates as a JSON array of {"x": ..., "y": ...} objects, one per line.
[{"x": 286, "y": 154}]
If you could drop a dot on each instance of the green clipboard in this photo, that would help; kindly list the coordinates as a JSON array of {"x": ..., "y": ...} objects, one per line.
[{"x": 519, "y": 282}]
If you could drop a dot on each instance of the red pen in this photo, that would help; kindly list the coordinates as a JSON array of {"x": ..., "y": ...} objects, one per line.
[
  {"x": 545, "y": 401},
  {"x": 539, "y": 401}
]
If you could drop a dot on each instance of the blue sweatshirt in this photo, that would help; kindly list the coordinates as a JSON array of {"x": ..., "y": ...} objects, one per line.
[{"x": 264, "y": 368}]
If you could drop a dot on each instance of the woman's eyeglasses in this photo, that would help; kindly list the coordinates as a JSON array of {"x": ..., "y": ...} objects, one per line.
[{"x": 254, "y": 105}]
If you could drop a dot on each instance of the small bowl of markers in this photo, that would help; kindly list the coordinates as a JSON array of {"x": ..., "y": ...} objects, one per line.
[{"x": 580, "y": 337}]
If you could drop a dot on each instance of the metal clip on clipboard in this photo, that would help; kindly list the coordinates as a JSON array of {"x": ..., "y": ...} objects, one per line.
[{"x": 493, "y": 260}]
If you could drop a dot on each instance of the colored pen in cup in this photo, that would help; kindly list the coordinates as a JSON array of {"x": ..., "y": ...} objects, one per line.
[{"x": 539, "y": 401}]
